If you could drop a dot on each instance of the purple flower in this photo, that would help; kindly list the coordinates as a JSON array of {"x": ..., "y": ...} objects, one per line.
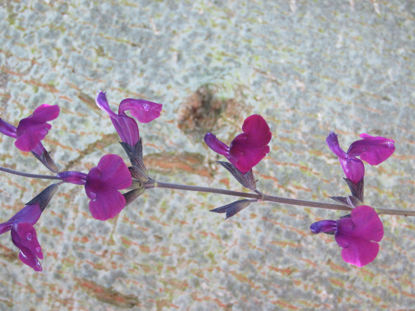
[
  {"x": 357, "y": 234},
  {"x": 143, "y": 110},
  {"x": 102, "y": 184},
  {"x": 371, "y": 149},
  {"x": 246, "y": 149},
  {"x": 33, "y": 129},
  {"x": 22, "y": 231},
  {"x": 24, "y": 235}
]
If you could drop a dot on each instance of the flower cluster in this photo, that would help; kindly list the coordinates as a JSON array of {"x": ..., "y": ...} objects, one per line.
[
  {"x": 102, "y": 183},
  {"x": 111, "y": 185},
  {"x": 358, "y": 233}
]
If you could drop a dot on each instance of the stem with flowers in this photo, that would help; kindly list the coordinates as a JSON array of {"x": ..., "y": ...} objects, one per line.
[
  {"x": 358, "y": 233},
  {"x": 259, "y": 196},
  {"x": 275, "y": 199}
]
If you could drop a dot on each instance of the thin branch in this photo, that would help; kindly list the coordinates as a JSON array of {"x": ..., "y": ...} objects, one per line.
[
  {"x": 269, "y": 198},
  {"x": 14, "y": 172}
]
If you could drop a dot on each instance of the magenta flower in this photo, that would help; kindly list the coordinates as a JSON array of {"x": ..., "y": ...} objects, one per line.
[
  {"x": 22, "y": 231},
  {"x": 246, "y": 149},
  {"x": 143, "y": 110},
  {"x": 33, "y": 129},
  {"x": 24, "y": 235},
  {"x": 357, "y": 234},
  {"x": 102, "y": 184},
  {"x": 30, "y": 132},
  {"x": 371, "y": 149}
]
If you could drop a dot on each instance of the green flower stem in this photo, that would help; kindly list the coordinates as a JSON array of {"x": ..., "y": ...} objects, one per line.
[{"x": 269, "y": 198}]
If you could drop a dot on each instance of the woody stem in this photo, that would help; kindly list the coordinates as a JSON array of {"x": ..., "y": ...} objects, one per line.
[{"x": 269, "y": 198}]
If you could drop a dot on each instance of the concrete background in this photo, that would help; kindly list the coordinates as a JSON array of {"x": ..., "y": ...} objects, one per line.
[{"x": 308, "y": 67}]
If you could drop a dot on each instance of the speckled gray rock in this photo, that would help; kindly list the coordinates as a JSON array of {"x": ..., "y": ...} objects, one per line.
[{"x": 307, "y": 66}]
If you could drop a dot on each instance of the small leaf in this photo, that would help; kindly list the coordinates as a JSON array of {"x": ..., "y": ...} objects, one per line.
[
  {"x": 357, "y": 190},
  {"x": 342, "y": 200},
  {"x": 345, "y": 200},
  {"x": 232, "y": 208},
  {"x": 247, "y": 180}
]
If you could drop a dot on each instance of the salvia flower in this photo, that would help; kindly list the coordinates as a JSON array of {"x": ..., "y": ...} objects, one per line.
[
  {"x": 357, "y": 234},
  {"x": 246, "y": 149},
  {"x": 126, "y": 127},
  {"x": 102, "y": 185},
  {"x": 22, "y": 231},
  {"x": 31, "y": 130},
  {"x": 371, "y": 149}
]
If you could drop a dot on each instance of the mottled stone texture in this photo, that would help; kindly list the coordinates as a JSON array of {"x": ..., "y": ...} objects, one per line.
[{"x": 307, "y": 66}]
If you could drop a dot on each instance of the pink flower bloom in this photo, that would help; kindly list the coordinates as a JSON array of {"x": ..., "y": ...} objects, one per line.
[
  {"x": 22, "y": 231},
  {"x": 102, "y": 185},
  {"x": 24, "y": 235},
  {"x": 33, "y": 129},
  {"x": 246, "y": 149},
  {"x": 356, "y": 234},
  {"x": 143, "y": 110},
  {"x": 371, "y": 149},
  {"x": 30, "y": 132}
]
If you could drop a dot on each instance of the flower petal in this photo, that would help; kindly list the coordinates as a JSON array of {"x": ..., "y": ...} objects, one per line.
[
  {"x": 24, "y": 237},
  {"x": 73, "y": 177},
  {"x": 244, "y": 155},
  {"x": 106, "y": 204},
  {"x": 45, "y": 113},
  {"x": 30, "y": 134},
  {"x": 102, "y": 103},
  {"x": 5, "y": 226},
  {"x": 257, "y": 129},
  {"x": 29, "y": 214},
  {"x": 366, "y": 224},
  {"x": 30, "y": 260},
  {"x": 353, "y": 168},
  {"x": 126, "y": 128},
  {"x": 114, "y": 172},
  {"x": 358, "y": 252},
  {"x": 372, "y": 149},
  {"x": 333, "y": 143},
  {"x": 7, "y": 129},
  {"x": 325, "y": 226},
  {"x": 143, "y": 110},
  {"x": 216, "y": 145}
]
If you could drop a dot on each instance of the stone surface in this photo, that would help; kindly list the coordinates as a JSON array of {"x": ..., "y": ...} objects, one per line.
[{"x": 308, "y": 67}]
